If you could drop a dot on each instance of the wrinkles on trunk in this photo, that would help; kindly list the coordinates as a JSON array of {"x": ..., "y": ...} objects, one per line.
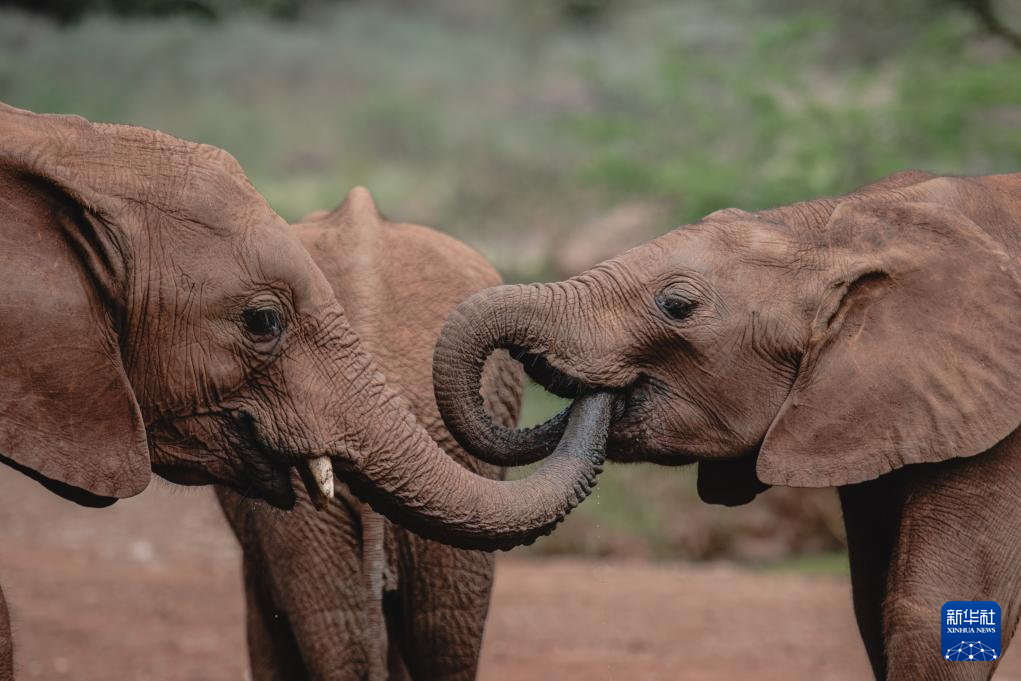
[{"x": 521, "y": 319}]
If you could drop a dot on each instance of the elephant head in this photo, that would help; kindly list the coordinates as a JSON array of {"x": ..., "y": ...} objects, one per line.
[
  {"x": 817, "y": 344},
  {"x": 158, "y": 315}
]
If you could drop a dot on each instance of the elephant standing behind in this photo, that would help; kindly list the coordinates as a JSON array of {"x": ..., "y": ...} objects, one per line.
[{"x": 397, "y": 283}]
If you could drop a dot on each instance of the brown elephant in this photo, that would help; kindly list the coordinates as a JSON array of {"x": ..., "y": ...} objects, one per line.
[
  {"x": 158, "y": 315},
  {"x": 397, "y": 283},
  {"x": 870, "y": 342}
]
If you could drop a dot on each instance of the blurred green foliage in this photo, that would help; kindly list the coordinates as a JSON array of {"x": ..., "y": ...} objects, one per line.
[
  {"x": 552, "y": 135},
  {"x": 763, "y": 132},
  {"x": 71, "y": 10},
  {"x": 580, "y": 11},
  {"x": 825, "y": 564},
  {"x": 518, "y": 132}
]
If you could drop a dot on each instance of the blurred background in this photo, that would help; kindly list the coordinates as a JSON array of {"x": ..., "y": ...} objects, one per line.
[{"x": 551, "y": 134}]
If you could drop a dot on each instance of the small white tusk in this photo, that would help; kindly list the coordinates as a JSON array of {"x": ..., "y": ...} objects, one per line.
[{"x": 320, "y": 471}]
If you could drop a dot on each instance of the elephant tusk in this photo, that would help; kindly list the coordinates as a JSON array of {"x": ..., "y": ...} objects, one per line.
[{"x": 318, "y": 478}]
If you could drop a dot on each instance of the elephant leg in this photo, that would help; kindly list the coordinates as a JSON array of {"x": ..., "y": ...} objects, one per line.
[
  {"x": 307, "y": 599},
  {"x": 272, "y": 651},
  {"x": 323, "y": 591},
  {"x": 959, "y": 540},
  {"x": 872, "y": 520},
  {"x": 444, "y": 597},
  {"x": 6, "y": 643}
]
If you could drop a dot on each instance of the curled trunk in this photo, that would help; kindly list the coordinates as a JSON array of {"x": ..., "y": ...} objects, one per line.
[
  {"x": 389, "y": 460},
  {"x": 511, "y": 317}
]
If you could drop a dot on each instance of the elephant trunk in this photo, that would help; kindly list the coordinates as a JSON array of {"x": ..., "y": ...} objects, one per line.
[
  {"x": 518, "y": 318},
  {"x": 389, "y": 460}
]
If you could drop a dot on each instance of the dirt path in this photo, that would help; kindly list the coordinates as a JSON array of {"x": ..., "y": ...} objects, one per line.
[{"x": 149, "y": 590}]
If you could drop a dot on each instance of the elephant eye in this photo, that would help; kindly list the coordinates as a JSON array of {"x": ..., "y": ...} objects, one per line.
[
  {"x": 263, "y": 321},
  {"x": 674, "y": 306}
]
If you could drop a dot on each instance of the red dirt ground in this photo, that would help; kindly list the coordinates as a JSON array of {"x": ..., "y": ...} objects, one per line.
[{"x": 149, "y": 590}]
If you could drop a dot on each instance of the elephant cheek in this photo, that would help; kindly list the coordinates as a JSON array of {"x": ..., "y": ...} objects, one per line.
[
  {"x": 193, "y": 451},
  {"x": 298, "y": 408}
]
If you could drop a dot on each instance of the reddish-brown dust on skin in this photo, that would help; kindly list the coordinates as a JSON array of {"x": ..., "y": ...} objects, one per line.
[{"x": 150, "y": 590}]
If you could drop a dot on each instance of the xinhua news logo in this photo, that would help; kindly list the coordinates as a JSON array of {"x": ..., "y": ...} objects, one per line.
[{"x": 971, "y": 631}]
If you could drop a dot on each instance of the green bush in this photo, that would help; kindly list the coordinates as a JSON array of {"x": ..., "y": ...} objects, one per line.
[{"x": 773, "y": 121}]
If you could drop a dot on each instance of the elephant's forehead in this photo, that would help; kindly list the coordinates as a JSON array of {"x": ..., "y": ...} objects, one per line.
[
  {"x": 736, "y": 257},
  {"x": 711, "y": 245},
  {"x": 279, "y": 256}
]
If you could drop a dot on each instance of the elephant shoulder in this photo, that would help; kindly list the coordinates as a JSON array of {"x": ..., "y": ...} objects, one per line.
[{"x": 431, "y": 257}]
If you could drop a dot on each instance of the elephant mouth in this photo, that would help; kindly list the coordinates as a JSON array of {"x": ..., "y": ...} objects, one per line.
[
  {"x": 551, "y": 378},
  {"x": 560, "y": 382},
  {"x": 226, "y": 446},
  {"x": 240, "y": 454},
  {"x": 268, "y": 471},
  {"x": 268, "y": 477},
  {"x": 223, "y": 448}
]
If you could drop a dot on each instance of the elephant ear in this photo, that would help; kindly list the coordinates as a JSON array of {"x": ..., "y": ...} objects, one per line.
[
  {"x": 915, "y": 350},
  {"x": 68, "y": 417}
]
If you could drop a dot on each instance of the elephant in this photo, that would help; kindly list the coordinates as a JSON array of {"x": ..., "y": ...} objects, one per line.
[
  {"x": 159, "y": 317},
  {"x": 397, "y": 283},
  {"x": 869, "y": 342}
]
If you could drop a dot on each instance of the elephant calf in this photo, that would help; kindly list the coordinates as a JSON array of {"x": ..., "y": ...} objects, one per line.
[
  {"x": 870, "y": 342},
  {"x": 380, "y": 596}
]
